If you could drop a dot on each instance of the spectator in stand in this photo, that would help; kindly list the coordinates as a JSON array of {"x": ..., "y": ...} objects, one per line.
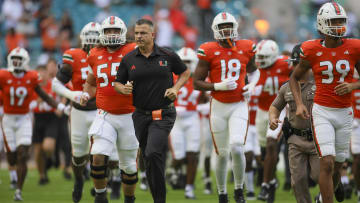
[
  {"x": 102, "y": 15},
  {"x": 11, "y": 12},
  {"x": 102, "y": 3},
  {"x": 189, "y": 33},
  {"x": 177, "y": 16},
  {"x": 14, "y": 39},
  {"x": 165, "y": 31},
  {"x": 206, "y": 14},
  {"x": 64, "y": 40},
  {"x": 26, "y": 25},
  {"x": 49, "y": 34},
  {"x": 67, "y": 24}
]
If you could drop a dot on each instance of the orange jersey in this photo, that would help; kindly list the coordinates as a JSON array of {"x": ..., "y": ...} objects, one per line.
[
  {"x": 356, "y": 103},
  {"x": 271, "y": 79},
  {"x": 76, "y": 58},
  {"x": 253, "y": 106},
  {"x": 225, "y": 63},
  {"x": 43, "y": 107},
  {"x": 18, "y": 92},
  {"x": 187, "y": 96},
  {"x": 104, "y": 66},
  {"x": 331, "y": 67}
]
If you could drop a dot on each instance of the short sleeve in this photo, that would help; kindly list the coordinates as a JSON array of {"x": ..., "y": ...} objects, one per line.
[
  {"x": 279, "y": 102},
  {"x": 202, "y": 53},
  {"x": 178, "y": 65},
  {"x": 304, "y": 51},
  {"x": 68, "y": 57},
  {"x": 252, "y": 49},
  {"x": 122, "y": 75},
  {"x": 36, "y": 78}
]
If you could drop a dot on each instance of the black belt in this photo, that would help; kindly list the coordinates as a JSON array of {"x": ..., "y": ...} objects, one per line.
[
  {"x": 149, "y": 112},
  {"x": 307, "y": 133}
]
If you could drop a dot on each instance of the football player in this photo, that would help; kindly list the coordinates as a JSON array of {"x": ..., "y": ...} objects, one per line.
[
  {"x": 252, "y": 146},
  {"x": 185, "y": 135},
  {"x": 226, "y": 61},
  {"x": 274, "y": 72},
  {"x": 75, "y": 68},
  {"x": 332, "y": 60},
  {"x": 206, "y": 142},
  {"x": 355, "y": 140},
  {"x": 112, "y": 123},
  {"x": 18, "y": 85}
]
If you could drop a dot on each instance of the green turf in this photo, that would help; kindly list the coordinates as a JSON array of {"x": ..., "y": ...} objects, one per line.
[{"x": 59, "y": 191}]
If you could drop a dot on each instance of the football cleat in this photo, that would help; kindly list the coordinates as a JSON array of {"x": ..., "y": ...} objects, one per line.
[
  {"x": 223, "y": 198},
  {"x": 239, "y": 196},
  {"x": 115, "y": 190},
  {"x": 250, "y": 196},
  {"x": 17, "y": 196},
  {"x": 264, "y": 192},
  {"x": 340, "y": 193},
  {"x": 77, "y": 191},
  {"x": 208, "y": 188},
  {"x": 189, "y": 192},
  {"x": 143, "y": 184},
  {"x": 101, "y": 198}
]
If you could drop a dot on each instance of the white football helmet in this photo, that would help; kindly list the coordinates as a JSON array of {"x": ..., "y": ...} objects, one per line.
[
  {"x": 267, "y": 52},
  {"x": 328, "y": 12},
  {"x": 18, "y": 59},
  {"x": 113, "y": 39},
  {"x": 227, "y": 33},
  {"x": 90, "y": 33},
  {"x": 188, "y": 54}
]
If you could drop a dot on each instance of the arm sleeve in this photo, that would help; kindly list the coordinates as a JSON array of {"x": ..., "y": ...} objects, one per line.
[
  {"x": 122, "y": 73},
  {"x": 279, "y": 102},
  {"x": 178, "y": 66}
]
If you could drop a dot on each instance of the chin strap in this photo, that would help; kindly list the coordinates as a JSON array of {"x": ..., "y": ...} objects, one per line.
[{"x": 231, "y": 44}]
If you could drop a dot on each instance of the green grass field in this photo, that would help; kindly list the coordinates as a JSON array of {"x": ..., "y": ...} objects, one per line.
[{"x": 59, "y": 191}]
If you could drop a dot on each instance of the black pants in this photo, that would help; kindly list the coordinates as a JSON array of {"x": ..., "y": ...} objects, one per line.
[{"x": 153, "y": 140}]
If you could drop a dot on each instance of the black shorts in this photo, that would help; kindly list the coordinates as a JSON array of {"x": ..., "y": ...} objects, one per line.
[{"x": 45, "y": 125}]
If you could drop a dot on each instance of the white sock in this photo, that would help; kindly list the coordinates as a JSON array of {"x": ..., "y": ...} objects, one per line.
[
  {"x": 250, "y": 181},
  {"x": 272, "y": 182},
  {"x": 344, "y": 180},
  {"x": 100, "y": 190},
  {"x": 358, "y": 193},
  {"x": 13, "y": 175},
  {"x": 189, "y": 187},
  {"x": 142, "y": 175},
  {"x": 221, "y": 172},
  {"x": 116, "y": 175},
  {"x": 238, "y": 165}
]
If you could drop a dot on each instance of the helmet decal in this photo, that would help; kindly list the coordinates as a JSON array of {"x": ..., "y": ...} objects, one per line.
[
  {"x": 337, "y": 9},
  {"x": 224, "y": 15},
  {"x": 112, "y": 20}
]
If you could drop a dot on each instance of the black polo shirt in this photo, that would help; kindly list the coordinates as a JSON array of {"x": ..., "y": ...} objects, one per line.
[{"x": 151, "y": 76}]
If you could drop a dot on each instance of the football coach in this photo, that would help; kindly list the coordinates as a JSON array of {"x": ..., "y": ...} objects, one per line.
[{"x": 147, "y": 73}]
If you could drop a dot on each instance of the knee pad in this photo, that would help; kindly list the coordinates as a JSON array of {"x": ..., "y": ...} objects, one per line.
[
  {"x": 134, "y": 178},
  {"x": 101, "y": 171}
]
